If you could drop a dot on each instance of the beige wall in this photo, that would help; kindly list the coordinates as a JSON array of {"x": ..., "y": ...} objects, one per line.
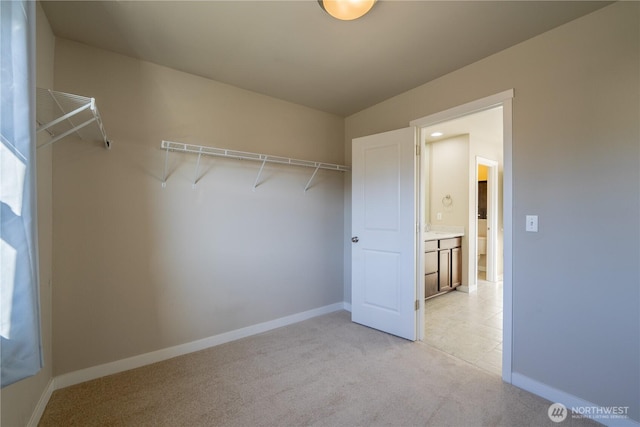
[
  {"x": 449, "y": 176},
  {"x": 139, "y": 267},
  {"x": 20, "y": 399},
  {"x": 575, "y": 111}
]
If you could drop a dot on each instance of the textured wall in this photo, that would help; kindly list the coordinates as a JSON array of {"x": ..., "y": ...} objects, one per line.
[{"x": 139, "y": 267}]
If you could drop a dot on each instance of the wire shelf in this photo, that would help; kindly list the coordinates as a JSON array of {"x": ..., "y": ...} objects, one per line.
[
  {"x": 243, "y": 155},
  {"x": 62, "y": 114}
]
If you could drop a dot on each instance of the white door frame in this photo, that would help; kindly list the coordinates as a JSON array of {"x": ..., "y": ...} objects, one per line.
[
  {"x": 492, "y": 219},
  {"x": 506, "y": 100}
]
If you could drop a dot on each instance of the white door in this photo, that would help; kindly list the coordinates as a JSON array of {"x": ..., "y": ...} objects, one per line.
[{"x": 383, "y": 289}]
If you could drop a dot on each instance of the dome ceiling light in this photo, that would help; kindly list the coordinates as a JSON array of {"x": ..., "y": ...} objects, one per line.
[{"x": 346, "y": 10}]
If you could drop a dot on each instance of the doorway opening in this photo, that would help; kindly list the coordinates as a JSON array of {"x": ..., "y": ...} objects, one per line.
[
  {"x": 474, "y": 321},
  {"x": 488, "y": 198}
]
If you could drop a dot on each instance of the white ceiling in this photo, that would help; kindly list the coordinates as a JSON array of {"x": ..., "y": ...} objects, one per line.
[{"x": 293, "y": 50}]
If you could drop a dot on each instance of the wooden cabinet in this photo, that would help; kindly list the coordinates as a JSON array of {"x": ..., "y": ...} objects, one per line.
[
  {"x": 442, "y": 265},
  {"x": 444, "y": 270},
  {"x": 456, "y": 267},
  {"x": 431, "y": 268}
]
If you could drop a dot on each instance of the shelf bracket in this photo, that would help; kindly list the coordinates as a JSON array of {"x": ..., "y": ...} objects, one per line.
[
  {"x": 63, "y": 118},
  {"x": 164, "y": 174},
  {"x": 67, "y": 133},
  {"x": 255, "y": 184},
  {"x": 312, "y": 176},
  {"x": 195, "y": 178}
]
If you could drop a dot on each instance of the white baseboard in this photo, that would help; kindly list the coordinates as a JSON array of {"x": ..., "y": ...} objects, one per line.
[
  {"x": 467, "y": 289},
  {"x": 464, "y": 288},
  {"x": 122, "y": 365},
  {"x": 42, "y": 404},
  {"x": 346, "y": 306},
  {"x": 568, "y": 400}
]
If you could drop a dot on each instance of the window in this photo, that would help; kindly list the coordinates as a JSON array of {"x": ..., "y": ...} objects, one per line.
[{"x": 19, "y": 307}]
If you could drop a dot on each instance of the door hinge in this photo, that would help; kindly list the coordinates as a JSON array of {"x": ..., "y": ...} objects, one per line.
[
  {"x": 418, "y": 150},
  {"x": 417, "y": 305}
]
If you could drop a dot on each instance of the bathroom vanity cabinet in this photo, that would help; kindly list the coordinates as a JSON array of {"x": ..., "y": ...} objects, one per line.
[
  {"x": 431, "y": 268},
  {"x": 442, "y": 265}
]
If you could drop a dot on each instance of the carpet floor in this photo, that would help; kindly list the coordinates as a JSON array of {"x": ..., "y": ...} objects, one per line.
[{"x": 326, "y": 371}]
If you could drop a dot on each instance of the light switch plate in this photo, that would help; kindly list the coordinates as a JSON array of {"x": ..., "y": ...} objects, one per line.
[{"x": 532, "y": 223}]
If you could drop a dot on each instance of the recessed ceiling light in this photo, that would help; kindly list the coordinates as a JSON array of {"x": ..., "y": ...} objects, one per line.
[{"x": 436, "y": 134}]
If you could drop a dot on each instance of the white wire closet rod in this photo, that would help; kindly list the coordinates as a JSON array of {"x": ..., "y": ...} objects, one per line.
[
  {"x": 62, "y": 114},
  {"x": 243, "y": 155}
]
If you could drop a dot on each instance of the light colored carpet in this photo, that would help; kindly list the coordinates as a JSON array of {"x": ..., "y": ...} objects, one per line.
[{"x": 325, "y": 371}]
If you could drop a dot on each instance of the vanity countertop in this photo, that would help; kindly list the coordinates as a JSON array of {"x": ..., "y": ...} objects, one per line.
[{"x": 437, "y": 235}]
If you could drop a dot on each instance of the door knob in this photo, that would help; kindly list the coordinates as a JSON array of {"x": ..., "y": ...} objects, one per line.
[{"x": 355, "y": 239}]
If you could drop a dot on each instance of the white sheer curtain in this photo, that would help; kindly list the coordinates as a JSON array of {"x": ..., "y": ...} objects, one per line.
[{"x": 19, "y": 305}]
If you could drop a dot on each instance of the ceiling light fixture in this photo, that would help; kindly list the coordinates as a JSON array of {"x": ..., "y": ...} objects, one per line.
[
  {"x": 346, "y": 10},
  {"x": 436, "y": 134}
]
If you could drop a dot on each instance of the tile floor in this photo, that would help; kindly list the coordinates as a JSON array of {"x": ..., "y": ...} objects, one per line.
[{"x": 468, "y": 326}]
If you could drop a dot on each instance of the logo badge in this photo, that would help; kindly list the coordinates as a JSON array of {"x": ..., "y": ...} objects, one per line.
[{"x": 557, "y": 412}]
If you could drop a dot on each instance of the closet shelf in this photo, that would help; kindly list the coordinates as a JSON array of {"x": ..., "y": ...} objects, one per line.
[
  {"x": 243, "y": 155},
  {"x": 61, "y": 114}
]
